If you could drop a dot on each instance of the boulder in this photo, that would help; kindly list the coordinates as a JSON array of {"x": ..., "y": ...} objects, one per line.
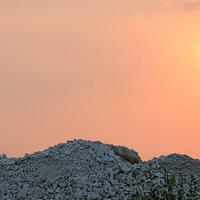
[{"x": 127, "y": 154}]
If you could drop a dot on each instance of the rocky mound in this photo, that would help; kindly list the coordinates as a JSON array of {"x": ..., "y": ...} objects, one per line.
[
  {"x": 178, "y": 163},
  {"x": 85, "y": 170}
]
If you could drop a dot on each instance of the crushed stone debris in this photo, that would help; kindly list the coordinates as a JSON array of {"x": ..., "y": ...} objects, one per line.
[{"x": 87, "y": 170}]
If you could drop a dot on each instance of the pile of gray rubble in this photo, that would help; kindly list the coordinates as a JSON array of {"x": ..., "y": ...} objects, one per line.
[{"x": 86, "y": 170}]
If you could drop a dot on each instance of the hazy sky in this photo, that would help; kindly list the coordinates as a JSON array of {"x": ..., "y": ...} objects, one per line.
[{"x": 123, "y": 72}]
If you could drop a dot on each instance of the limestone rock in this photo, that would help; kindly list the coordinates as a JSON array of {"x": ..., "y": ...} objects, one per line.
[
  {"x": 86, "y": 170},
  {"x": 126, "y": 154}
]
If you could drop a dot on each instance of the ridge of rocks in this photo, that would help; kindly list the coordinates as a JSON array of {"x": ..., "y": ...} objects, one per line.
[{"x": 86, "y": 170}]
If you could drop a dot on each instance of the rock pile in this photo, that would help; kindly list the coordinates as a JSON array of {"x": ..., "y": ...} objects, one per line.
[{"x": 85, "y": 170}]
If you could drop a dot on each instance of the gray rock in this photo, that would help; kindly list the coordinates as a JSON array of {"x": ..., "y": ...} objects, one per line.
[
  {"x": 83, "y": 170},
  {"x": 126, "y": 154}
]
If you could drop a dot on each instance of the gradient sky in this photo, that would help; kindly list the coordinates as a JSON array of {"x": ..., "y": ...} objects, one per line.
[{"x": 123, "y": 72}]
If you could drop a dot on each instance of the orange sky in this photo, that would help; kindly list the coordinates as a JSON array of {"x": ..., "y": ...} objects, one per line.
[{"x": 123, "y": 72}]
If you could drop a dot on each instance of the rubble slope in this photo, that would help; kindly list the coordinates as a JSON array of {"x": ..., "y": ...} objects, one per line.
[{"x": 80, "y": 169}]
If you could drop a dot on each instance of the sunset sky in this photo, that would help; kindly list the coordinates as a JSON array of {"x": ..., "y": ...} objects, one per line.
[{"x": 125, "y": 72}]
